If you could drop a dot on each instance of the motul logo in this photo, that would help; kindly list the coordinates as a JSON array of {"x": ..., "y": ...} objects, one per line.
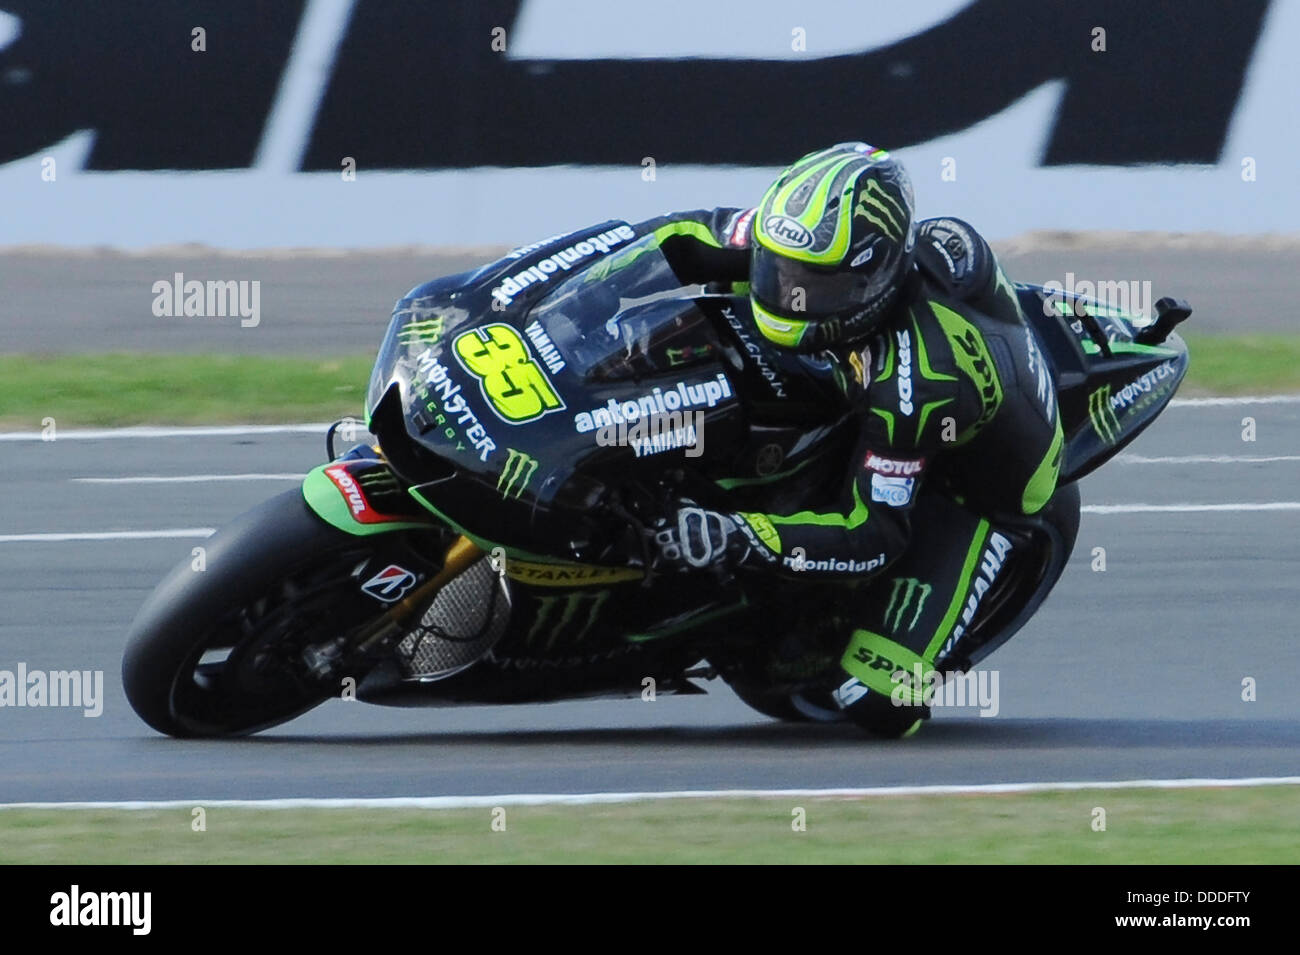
[
  {"x": 345, "y": 483},
  {"x": 894, "y": 467},
  {"x": 358, "y": 504},
  {"x": 740, "y": 231}
]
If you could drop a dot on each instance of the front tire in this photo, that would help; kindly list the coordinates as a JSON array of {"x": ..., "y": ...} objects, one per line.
[{"x": 215, "y": 650}]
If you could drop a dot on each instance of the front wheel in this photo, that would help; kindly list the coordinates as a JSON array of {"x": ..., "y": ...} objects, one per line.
[{"x": 217, "y": 649}]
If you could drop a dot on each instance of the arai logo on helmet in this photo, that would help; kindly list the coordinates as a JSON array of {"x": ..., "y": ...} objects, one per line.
[{"x": 786, "y": 231}]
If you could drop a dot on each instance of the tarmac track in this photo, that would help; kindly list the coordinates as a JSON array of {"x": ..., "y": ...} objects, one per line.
[{"x": 1134, "y": 672}]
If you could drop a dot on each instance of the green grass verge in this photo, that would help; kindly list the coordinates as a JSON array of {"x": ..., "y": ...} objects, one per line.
[
  {"x": 1220, "y": 826},
  {"x": 125, "y": 389},
  {"x": 1243, "y": 364}
]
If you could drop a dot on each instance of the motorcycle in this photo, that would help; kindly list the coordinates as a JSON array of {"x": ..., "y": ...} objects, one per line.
[{"x": 490, "y": 546}]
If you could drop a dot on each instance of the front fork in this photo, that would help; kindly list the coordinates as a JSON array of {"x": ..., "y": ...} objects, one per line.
[
  {"x": 323, "y": 660},
  {"x": 359, "y": 494}
]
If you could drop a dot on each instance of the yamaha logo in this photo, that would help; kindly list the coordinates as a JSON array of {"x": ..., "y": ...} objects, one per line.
[{"x": 787, "y": 232}]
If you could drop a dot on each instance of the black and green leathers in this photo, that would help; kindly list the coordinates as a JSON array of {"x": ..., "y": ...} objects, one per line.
[
  {"x": 954, "y": 382},
  {"x": 952, "y": 389}
]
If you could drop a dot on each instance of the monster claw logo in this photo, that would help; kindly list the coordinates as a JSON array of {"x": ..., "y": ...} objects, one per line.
[
  {"x": 427, "y": 332},
  {"x": 881, "y": 209},
  {"x": 516, "y": 474},
  {"x": 1103, "y": 415},
  {"x": 570, "y": 615},
  {"x": 680, "y": 356},
  {"x": 905, "y": 589}
]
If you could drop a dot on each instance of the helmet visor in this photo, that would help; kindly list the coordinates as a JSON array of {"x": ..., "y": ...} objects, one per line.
[{"x": 798, "y": 290}]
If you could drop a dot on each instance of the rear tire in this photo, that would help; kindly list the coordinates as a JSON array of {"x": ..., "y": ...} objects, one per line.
[
  {"x": 271, "y": 577},
  {"x": 877, "y": 714},
  {"x": 776, "y": 705},
  {"x": 809, "y": 706}
]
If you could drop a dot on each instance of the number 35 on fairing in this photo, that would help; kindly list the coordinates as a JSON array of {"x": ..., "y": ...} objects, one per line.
[{"x": 513, "y": 383}]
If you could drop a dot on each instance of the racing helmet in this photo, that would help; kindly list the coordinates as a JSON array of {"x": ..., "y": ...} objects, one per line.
[{"x": 833, "y": 241}]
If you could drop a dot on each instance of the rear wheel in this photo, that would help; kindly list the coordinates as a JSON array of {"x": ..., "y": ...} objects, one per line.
[
  {"x": 218, "y": 650},
  {"x": 776, "y": 705},
  {"x": 880, "y": 717},
  {"x": 809, "y": 706}
]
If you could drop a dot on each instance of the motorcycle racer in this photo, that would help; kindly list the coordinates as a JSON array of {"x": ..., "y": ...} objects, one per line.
[
  {"x": 947, "y": 384},
  {"x": 884, "y": 495}
]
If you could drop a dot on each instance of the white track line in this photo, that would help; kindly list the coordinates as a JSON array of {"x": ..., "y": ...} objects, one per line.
[
  {"x": 205, "y": 431},
  {"x": 1221, "y": 402},
  {"x": 1205, "y": 459},
  {"x": 109, "y": 535},
  {"x": 187, "y": 478},
  {"x": 206, "y": 478},
  {"x": 1102, "y": 509},
  {"x": 586, "y": 799},
  {"x": 1187, "y": 508},
  {"x": 221, "y": 431}
]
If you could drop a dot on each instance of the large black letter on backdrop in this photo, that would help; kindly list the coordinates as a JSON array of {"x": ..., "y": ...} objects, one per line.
[
  {"x": 126, "y": 71},
  {"x": 418, "y": 85}
]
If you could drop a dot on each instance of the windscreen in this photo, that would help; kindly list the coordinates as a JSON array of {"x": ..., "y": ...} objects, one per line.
[{"x": 598, "y": 318}]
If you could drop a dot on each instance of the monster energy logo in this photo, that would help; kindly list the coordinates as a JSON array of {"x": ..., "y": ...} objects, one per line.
[
  {"x": 516, "y": 474},
  {"x": 677, "y": 356},
  {"x": 556, "y": 614},
  {"x": 429, "y": 332},
  {"x": 906, "y": 588},
  {"x": 1103, "y": 415},
  {"x": 889, "y": 215},
  {"x": 378, "y": 483}
]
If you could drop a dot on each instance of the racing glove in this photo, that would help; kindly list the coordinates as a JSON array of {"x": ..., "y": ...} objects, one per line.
[{"x": 696, "y": 538}]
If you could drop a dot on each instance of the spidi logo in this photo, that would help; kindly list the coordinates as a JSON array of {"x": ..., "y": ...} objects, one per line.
[{"x": 905, "y": 372}]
